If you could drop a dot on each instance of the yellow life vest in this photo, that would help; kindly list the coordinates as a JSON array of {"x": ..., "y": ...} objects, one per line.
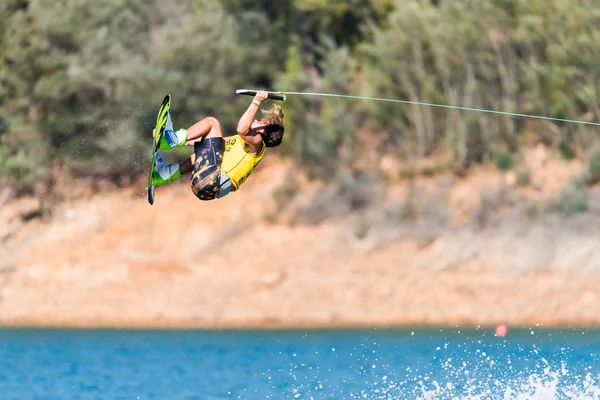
[{"x": 237, "y": 162}]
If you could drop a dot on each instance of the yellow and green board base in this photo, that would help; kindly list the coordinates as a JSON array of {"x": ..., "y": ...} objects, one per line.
[{"x": 161, "y": 122}]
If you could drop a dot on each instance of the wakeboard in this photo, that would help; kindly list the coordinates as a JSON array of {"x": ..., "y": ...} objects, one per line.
[{"x": 161, "y": 122}]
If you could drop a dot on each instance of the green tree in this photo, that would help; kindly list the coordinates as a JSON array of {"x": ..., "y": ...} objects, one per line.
[
  {"x": 90, "y": 74},
  {"x": 23, "y": 147}
]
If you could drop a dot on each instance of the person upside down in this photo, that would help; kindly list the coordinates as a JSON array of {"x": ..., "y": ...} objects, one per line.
[{"x": 220, "y": 165}]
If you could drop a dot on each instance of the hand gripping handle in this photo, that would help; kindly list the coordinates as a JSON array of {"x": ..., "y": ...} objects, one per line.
[{"x": 272, "y": 95}]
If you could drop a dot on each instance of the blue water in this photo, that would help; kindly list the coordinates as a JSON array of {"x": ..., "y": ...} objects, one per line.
[{"x": 424, "y": 364}]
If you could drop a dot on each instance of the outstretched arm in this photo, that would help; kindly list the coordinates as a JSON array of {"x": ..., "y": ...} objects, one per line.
[{"x": 246, "y": 121}]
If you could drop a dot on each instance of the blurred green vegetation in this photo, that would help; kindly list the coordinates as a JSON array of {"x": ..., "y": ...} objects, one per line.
[{"x": 80, "y": 81}]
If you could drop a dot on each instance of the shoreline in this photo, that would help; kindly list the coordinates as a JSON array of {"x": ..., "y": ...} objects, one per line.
[{"x": 258, "y": 327}]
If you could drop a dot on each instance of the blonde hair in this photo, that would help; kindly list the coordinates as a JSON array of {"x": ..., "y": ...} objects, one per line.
[{"x": 274, "y": 130}]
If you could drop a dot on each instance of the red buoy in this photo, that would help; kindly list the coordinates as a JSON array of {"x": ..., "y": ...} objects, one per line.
[{"x": 501, "y": 330}]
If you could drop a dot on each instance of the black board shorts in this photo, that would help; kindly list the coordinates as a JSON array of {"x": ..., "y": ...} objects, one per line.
[{"x": 206, "y": 179}]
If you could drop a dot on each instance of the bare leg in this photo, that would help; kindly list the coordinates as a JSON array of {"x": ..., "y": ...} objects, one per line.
[
  {"x": 188, "y": 165},
  {"x": 208, "y": 127}
]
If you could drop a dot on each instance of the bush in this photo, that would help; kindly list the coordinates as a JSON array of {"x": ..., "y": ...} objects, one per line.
[
  {"x": 532, "y": 210},
  {"x": 19, "y": 171},
  {"x": 573, "y": 199},
  {"x": 523, "y": 177},
  {"x": 593, "y": 166},
  {"x": 504, "y": 161},
  {"x": 410, "y": 207},
  {"x": 565, "y": 147}
]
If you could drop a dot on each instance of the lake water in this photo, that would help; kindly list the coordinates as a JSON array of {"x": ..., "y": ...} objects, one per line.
[{"x": 370, "y": 364}]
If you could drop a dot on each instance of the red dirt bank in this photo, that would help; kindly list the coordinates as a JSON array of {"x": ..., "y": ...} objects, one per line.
[{"x": 113, "y": 260}]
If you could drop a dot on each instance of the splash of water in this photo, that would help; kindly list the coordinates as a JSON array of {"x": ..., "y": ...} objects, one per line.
[
  {"x": 547, "y": 385},
  {"x": 501, "y": 370}
]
